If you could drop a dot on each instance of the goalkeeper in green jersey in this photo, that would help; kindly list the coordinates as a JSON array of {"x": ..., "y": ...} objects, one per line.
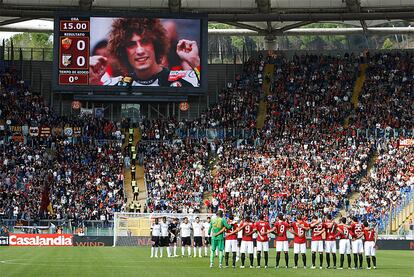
[{"x": 217, "y": 227}]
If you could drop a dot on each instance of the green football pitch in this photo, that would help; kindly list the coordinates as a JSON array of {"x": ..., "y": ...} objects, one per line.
[{"x": 135, "y": 261}]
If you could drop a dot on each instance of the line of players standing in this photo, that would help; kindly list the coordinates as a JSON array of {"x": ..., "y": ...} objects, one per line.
[
  {"x": 355, "y": 232},
  {"x": 252, "y": 238},
  {"x": 165, "y": 234}
]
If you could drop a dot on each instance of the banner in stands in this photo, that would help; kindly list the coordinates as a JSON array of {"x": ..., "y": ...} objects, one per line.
[
  {"x": 85, "y": 111},
  {"x": 77, "y": 131},
  {"x": 40, "y": 239},
  {"x": 93, "y": 241},
  {"x": 45, "y": 131},
  {"x": 4, "y": 240},
  {"x": 68, "y": 131},
  {"x": 34, "y": 131},
  {"x": 16, "y": 129},
  {"x": 406, "y": 143}
]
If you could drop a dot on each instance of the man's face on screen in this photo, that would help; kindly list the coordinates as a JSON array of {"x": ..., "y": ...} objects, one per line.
[{"x": 141, "y": 56}]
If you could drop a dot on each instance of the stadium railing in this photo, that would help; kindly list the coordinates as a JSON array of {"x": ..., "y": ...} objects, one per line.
[
  {"x": 244, "y": 133},
  {"x": 385, "y": 223},
  {"x": 232, "y": 56},
  {"x": 90, "y": 227}
]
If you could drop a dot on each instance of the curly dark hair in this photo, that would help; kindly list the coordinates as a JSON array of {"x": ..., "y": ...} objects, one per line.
[{"x": 150, "y": 28}]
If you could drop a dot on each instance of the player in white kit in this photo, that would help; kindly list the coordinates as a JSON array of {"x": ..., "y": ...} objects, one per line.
[
  {"x": 185, "y": 230},
  {"x": 165, "y": 240},
  {"x": 198, "y": 236},
  {"x": 155, "y": 237},
  {"x": 207, "y": 236}
]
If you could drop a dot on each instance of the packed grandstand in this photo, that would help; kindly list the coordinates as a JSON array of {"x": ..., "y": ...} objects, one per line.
[{"x": 293, "y": 140}]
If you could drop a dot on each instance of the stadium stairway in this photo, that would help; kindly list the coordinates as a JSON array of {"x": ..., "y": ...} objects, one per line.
[
  {"x": 139, "y": 177},
  {"x": 354, "y": 196},
  {"x": 356, "y": 93},
  {"x": 352, "y": 199},
  {"x": 207, "y": 195},
  {"x": 267, "y": 84},
  {"x": 359, "y": 83}
]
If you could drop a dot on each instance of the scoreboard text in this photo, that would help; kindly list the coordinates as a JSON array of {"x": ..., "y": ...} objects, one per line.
[{"x": 74, "y": 51}]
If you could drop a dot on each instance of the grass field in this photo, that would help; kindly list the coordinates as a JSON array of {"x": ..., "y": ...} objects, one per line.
[{"x": 134, "y": 261}]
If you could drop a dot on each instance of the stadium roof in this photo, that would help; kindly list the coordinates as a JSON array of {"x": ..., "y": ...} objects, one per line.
[{"x": 266, "y": 17}]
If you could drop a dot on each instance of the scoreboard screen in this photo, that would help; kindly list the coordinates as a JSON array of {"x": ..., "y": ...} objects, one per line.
[
  {"x": 74, "y": 51},
  {"x": 114, "y": 53}
]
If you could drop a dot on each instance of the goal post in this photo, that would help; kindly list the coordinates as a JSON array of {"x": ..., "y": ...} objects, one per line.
[{"x": 130, "y": 227}]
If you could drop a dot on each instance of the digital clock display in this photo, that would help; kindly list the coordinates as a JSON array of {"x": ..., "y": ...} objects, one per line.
[{"x": 74, "y": 51}]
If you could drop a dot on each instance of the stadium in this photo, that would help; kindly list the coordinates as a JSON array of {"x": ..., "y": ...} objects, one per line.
[{"x": 202, "y": 138}]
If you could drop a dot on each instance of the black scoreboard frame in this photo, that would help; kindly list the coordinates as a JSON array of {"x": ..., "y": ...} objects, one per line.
[{"x": 136, "y": 90}]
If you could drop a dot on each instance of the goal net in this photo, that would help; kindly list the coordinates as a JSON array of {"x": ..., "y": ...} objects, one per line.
[{"x": 134, "y": 229}]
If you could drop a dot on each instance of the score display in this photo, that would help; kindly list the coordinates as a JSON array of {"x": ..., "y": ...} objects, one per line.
[
  {"x": 74, "y": 51},
  {"x": 103, "y": 53}
]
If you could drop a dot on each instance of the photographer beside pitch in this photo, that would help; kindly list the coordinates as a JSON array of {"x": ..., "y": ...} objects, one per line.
[{"x": 140, "y": 45}]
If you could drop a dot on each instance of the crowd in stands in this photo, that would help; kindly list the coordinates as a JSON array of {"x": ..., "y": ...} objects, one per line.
[
  {"x": 388, "y": 183},
  {"x": 176, "y": 175},
  {"x": 78, "y": 172},
  {"x": 303, "y": 160},
  {"x": 311, "y": 95},
  {"x": 388, "y": 93},
  {"x": 288, "y": 176}
]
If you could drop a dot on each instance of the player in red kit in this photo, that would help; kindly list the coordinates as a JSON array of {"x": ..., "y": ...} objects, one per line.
[
  {"x": 370, "y": 241},
  {"x": 357, "y": 245},
  {"x": 280, "y": 229},
  {"x": 247, "y": 240},
  {"x": 317, "y": 242},
  {"x": 231, "y": 241},
  {"x": 344, "y": 244},
  {"x": 330, "y": 240},
  {"x": 262, "y": 227},
  {"x": 299, "y": 241}
]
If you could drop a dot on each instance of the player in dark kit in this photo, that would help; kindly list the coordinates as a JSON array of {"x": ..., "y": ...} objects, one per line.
[{"x": 173, "y": 232}]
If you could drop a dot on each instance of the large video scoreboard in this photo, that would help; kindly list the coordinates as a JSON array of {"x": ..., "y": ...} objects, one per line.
[{"x": 113, "y": 53}]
